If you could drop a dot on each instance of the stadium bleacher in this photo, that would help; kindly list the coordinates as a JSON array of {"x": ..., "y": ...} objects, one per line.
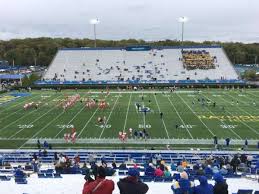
[{"x": 137, "y": 64}]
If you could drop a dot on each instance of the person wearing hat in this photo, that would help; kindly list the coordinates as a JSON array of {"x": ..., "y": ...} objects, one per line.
[
  {"x": 100, "y": 185},
  {"x": 183, "y": 186},
  {"x": 220, "y": 186},
  {"x": 132, "y": 184},
  {"x": 204, "y": 187}
]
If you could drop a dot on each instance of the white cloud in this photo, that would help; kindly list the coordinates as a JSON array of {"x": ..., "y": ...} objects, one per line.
[{"x": 146, "y": 19}]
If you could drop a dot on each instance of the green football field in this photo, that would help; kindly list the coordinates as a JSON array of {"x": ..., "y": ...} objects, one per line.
[{"x": 188, "y": 115}]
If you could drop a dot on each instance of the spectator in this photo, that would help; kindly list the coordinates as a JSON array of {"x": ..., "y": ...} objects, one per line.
[
  {"x": 223, "y": 170},
  {"x": 200, "y": 171},
  {"x": 234, "y": 163},
  {"x": 88, "y": 179},
  {"x": 45, "y": 153},
  {"x": 123, "y": 166},
  {"x": 215, "y": 170},
  {"x": 220, "y": 186},
  {"x": 100, "y": 185},
  {"x": 45, "y": 145},
  {"x": 162, "y": 165},
  {"x": 131, "y": 184},
  {"x": 150, "y": 170},
  {"x": 38, "y": 144},
  {"x": 94, "y": 169},
  {"x": 173, "y": 167},
  {"x": 159, "y": 172},
  {"x": 204, "y": 187},
  {"x": 179, "y": 168},
  {"x": 55, "y": 156},
  {"x": 77, "y": 159},
  {"x": 114, "y": 166},
  {"x": 184, "y": 164},
  {"x": 183, "y": 186},
  {"x": 208, "y": 170},
  {"x": 167, "y": 172}
]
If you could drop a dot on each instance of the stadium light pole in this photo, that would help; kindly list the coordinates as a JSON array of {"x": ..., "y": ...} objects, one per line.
[
  {"x": 94, "y": 22},
  {"x": 183, "y": 20}
]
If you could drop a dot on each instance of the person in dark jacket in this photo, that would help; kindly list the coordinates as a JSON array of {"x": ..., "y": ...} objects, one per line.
[
  {"x": 150, "y": 170},
  {"x": 220, "y": 186},
  {"x": 235, "y": 163},
  {"x": 204, "y": 187},
  {"x": 131, "y": 184}
]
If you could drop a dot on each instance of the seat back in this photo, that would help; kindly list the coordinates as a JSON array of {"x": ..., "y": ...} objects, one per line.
[{"x": 244, "y": 191}]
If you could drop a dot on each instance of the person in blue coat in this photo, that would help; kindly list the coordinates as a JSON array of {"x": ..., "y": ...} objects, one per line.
[
  {"x": 183, "y": 186},
  {"x": 208, "y": 170},
  {"x": 150, "y": 170},
  {"x": 204, "y": 187}
]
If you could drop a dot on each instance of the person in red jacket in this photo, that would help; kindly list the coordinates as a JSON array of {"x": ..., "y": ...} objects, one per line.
[
  {"x": 159, "y": 172},
  {"x": 100, "y": 185}
]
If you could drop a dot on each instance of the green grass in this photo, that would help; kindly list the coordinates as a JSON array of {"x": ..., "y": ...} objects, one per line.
[{"x": 237, "y": 121}]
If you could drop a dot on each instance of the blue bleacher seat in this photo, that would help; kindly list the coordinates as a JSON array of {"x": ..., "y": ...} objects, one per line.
[
  {"x": 20, "y": 180},
  {"x": 159, "y": 179},
  {"x": 57, "y": 175},
  {"x": 146, "y": 178},
  {"x": 5, "y": 178},
  {"x": 243, "y": 191}
]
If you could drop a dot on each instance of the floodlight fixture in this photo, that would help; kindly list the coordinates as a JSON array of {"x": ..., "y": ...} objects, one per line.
[{"x": 94, "y": 22}]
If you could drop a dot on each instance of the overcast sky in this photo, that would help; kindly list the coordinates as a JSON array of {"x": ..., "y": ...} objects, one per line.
[{"x": 225, "y": 20}]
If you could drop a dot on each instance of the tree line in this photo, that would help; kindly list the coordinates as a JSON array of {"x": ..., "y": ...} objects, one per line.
[{"x": 40, "y": 51}]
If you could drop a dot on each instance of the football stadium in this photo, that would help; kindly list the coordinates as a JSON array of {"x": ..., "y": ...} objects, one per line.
[
  {"x": 150, "y": 96},
  {"x": 113, "y": 117}
]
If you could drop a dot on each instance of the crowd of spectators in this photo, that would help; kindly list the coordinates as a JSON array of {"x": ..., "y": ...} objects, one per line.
[
  {"x": 200, "y": 59},
  {"x": 207, "y": 167}
]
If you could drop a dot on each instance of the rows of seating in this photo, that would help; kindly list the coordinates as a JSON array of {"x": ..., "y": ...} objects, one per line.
[
  {"x": 121, "y": 65},
  {"x": 200, "y": 59},
  {"x": 25, "y": 156}
]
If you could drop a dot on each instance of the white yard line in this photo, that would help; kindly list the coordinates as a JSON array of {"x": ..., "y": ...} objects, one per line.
[
  {"x": 87, "y": 122},
  {"x": 33, "y": 121},
  {"x": 180, "y": 117},
  {"x": 162, "y": 118},
  {"x": 15, "y": 111},
  {"x": 197, "y": 116},
  {"x": 126, "y": 118},
  {"x": 240, "y": 119},
  {"x": 70, "y": 121},
  {"x": 109, "y": 117},
  {"x": 38, "y": 132},
  {"x": 251, "y": 99},
  {"x": 21, "y": 117},
  {"x": 221, "y": 120},
  {"x": 144, "y": 116}
]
